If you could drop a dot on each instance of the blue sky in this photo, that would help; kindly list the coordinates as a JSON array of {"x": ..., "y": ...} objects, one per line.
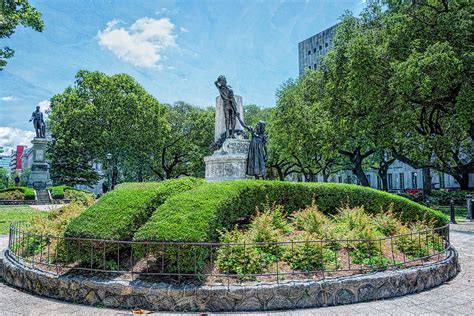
[{"x": 175, "y": 49}]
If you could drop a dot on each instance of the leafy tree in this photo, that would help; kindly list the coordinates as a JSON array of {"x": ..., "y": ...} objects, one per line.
[
  {"x": 430, "y": 44},
  {"x": 4, "y": 178},
  {"x": 12, "y": 14},
  {"x": 302, "y": 147},
  {"x": 253, "y": 114},
  {"x": 184, "y": 148},
  {"x": 396, "y": 85},
  {"x": 99, "y": 116}
]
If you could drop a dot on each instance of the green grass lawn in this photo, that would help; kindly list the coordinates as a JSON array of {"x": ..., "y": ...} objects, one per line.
[{"x": 16, "y": 213}]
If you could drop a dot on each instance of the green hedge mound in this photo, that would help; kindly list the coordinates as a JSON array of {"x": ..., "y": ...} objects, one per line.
[
  {"x": 17, "y": 193},
  {"x": 119, "y": 213},
  {"x": 60, "y": 192},
  {"x": 198, "y": 215}
]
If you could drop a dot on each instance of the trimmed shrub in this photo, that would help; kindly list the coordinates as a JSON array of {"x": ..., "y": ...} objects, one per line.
[
  {"x": 238, "y": 256},
  {"x": 418, "y": 241},
  {"x": 268, "y": 227},
  {"x": 386, "y": 223},
  {"x": 304, "y": 255},
  {"x": 13, "y": 195},
  {"x": 199, "y": 214},
  {"x": 17, "y": 193},
  {"x": 441, "y": 197},
  {"x": 355, "y": 224},
  {"x": 66, "y": 192},
  {"x": 312, "y": 221},
  {"x": 119, "y": 213}
]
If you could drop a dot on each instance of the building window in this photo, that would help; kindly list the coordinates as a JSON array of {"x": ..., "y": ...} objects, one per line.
[
  {"x": 339, "y": 179},
  {"x": 390, "y": 181},
  {"x": 379, "y": 183},
  {"x": 320, "y": 47},
  {"x": 414, "y": 180},
  {"x": 442, "y": 182},
  {"x": 315, "y": 65},
  {"x": 368, "y": 179},
  {"x": 314, "y": 50},
  {"x": 402, "y": 181},
  {"x": 309, "y": 52},
  {"x": 326, "y": 45}
]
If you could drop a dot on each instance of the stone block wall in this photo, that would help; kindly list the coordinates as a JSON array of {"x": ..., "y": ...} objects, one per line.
[{"x": 220, "y": 298}]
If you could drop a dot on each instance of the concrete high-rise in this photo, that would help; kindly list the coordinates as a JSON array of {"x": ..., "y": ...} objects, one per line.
[{"x": 312, "y": 49}]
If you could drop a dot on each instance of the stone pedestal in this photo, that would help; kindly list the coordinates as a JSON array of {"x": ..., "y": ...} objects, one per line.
[
  {"x": 219, "y": 124},
  {"x": 39, "y": 175},
  {"x": 229, "y": 162}
]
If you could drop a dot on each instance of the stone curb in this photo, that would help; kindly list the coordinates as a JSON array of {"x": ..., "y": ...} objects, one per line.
[{"x": 221, "y": 298}]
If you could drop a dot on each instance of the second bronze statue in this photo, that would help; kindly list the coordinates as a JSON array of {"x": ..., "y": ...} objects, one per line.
[{"x": 258, "y": 155}]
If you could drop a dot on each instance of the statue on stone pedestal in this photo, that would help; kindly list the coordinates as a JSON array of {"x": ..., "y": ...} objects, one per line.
[
  {"x": 38, "y": 123},
  {"x": 257, "y": 156},
  {"x": 230, "y": 106}
]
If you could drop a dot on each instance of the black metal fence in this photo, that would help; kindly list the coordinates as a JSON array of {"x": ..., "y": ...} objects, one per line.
[{"x": 226, "y": 262}]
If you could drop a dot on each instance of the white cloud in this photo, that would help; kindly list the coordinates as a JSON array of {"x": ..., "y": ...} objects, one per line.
[
  {"x": 162, "y": 11},
  {"x": 184, "y": 30},
  {"x": 8, "y": 98},
  {"x": 44, "y": 105},
  {"x": 10, "y": 137},
  {"x": 142, "y": 44}
]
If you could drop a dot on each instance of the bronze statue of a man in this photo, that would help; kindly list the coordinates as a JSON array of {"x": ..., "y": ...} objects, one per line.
[
  {"x": 38, "y": 123},
  {"x": 230, "y": 106}
]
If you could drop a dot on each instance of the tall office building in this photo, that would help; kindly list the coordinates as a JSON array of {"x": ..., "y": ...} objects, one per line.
[
  {"x": 4, "y": 160},
  {"x": 16, "y": 163},
  {"x": 312, "y": 49}
]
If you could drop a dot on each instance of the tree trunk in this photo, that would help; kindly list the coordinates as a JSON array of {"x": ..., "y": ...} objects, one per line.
[
  {"x": 280, "y": 173},
  {"x": 463, "y": 180},
  {"x": 384, "y": 179},
  {"x": 325, "y": 177},
  {"x": 356, "y": 159},
  {"x": 383, "y": 172},
  {"x": 426, "y": 181},
  {"x": 360, "y": 174},
  {"x": 357, "y": 168}
]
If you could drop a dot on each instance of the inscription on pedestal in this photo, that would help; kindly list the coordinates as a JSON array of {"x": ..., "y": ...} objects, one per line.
[{"x": 229, "y": 162}]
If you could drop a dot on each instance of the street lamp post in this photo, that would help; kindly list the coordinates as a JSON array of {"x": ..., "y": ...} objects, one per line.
[{"x": 109, "y": 171}]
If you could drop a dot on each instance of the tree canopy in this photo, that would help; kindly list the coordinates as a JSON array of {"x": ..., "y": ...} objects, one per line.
[
  {"x": 113, "y": 121},
  {"x": 12, "y": 14},
  {"x": 397, "y": 84}
]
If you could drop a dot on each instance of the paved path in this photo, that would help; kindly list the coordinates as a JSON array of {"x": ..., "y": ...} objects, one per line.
[
  {"x": 453, "y": 298},
  {"x": 47, "y": 207}
]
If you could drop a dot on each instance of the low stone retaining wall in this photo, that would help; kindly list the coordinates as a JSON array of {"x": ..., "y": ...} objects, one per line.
[
  {"x": 285, "y": 295},
  {"x": 17, "y": 202}
]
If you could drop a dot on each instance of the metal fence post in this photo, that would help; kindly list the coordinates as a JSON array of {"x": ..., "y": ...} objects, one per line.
[{"x": 453, "y": 216}]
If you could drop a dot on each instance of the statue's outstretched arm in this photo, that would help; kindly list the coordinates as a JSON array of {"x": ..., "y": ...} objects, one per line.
[{"x": 237, "y": 114}]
